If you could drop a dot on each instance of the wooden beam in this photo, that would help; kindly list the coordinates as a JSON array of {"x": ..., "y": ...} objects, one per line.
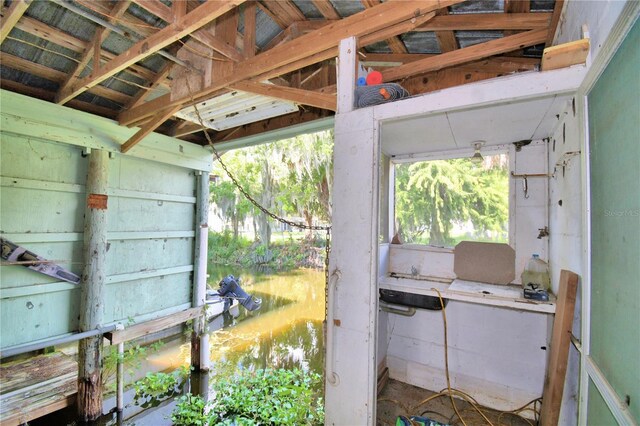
[
  {"x": 395, "y": 44},
  {"x": 494, "y": 64},
  {"x": 11, "y": 16},
  {"x": 144, "y": 48},
  {"x": 249, "y": 39},
  {"x": 165, "y": 13},
  {"x": 487, "y": 21},
  {"x": 559, "y": 349},
  {"x": 179, "y": 9},
  {"x": 56, "y": 36},
  {"x": 148, "y": 327},
  {"x": 555, "y": 19},
  {"x": 565, "y": 55},
  {"x": 517, "y": 6},
  {"x": 300, "y": 96},
  {"x": 326, "y": 9},
  {"x": 56, "y": 76},
  {"x": 155, "y": 83},
  {"x": 446, "y": 38},
  {"x": 468, "y": 54},
  {"x": 285, "y": 12},
  {"x": 185, "y": 128},
  {"x": 149, "y": 127},
  {"x": 93, "y": 50},
  {"x": 305, "y": 50}
]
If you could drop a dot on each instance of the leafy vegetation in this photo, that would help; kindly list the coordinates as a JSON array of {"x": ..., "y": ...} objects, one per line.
[
  {"x": 132, "y": 359},
  {"x": 433, "y": 197},
  {"x": 159, "y": 385},
  {"x": 290, "y": 177},
  {"x": 283, "y": 397}
]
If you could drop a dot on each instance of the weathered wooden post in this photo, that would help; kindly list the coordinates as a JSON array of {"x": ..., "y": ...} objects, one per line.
[
  {"x": 199, "y": 337},
  {"x": 93, "y": 283}
]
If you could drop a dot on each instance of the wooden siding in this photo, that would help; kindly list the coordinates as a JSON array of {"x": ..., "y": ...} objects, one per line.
[{"x": 151, "y": 214}]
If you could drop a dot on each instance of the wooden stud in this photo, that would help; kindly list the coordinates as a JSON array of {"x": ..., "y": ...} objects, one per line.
[
  {"x": 249, "y": 40},
  {"x": 149, "y": 127},
  {"x": 300, "y": 96},
  {"x": 92, "y": 293},
  {"x": 559, "y": 349},
  {"x": 488, "y": 21},
  {"x": 148, "y": 327},
  {"x": 326, "y": 9},
  {"x": 468, "y": 54},
  {"x": 517, "y": 6},
  {"x": 565, "y": 55},
  {"x": 11, "y": 16},
  {"x": 178, "y": 10},
  {"x": 144, "y": 48},
  {"x": 555, "y": 19},
  {"x": 446, "y": 39}
]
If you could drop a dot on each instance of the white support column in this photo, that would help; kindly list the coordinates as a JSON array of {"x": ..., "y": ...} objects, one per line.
[
  {"x": 199, "y": 337},
  {"x": 347, "y": 62},
  {"x": 93, "y": 287},
  {"x": 353, "y": 295}
]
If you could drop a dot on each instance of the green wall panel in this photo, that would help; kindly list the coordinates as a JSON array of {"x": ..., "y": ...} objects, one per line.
[
  {"x": 38, "y": 316},
  {"x": 598, "y": 413},
  {"x": 126, "y": 256},
  {"x": 130, "y": 299},
  {"x": 614, "y": 133},
  {"x": 151, "y": 218}
]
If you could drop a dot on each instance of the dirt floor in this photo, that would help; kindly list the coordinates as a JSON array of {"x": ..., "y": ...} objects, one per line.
[{"x": 398, "y": 398}]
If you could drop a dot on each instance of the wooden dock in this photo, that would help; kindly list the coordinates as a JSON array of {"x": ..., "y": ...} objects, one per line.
[{"x": 36, "y": 386}]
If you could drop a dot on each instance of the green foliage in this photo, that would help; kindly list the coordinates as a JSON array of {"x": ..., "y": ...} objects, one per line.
[
  {"x": 288, "y": 177},
  {"x": 282, "y": 397},
  {"x": 132, "y": 359},
  {"x": 190, "y": 411},
  {"x": 159, "y": 385},
  {"x": 434, "y": 196}
]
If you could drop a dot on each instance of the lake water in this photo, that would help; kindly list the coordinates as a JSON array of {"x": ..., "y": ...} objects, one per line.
[{"x": 285, "y": 333}]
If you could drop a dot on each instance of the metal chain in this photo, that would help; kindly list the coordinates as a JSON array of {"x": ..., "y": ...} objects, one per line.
[{"x": 264, "y": 209}]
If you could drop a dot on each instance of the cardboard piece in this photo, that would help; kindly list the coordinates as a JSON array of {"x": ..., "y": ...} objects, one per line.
[{"x": 493, "y": 263}]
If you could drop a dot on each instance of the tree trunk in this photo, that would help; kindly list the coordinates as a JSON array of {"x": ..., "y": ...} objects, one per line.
[{"x": 308, "y": 218}]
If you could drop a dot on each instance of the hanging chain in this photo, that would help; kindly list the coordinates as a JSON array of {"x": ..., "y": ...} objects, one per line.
[{"x": 264, "y": 209}]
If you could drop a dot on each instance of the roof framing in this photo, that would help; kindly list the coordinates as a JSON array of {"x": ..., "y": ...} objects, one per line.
[{"x": 247, "y": 44}]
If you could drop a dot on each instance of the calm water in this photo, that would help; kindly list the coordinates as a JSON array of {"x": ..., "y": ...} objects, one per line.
[{"x": 285, "y": 333}]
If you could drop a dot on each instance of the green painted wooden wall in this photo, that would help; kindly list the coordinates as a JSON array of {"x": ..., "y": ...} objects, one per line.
[
  {"x": 614, "y": 134},
  {"x": 151, "y": 218}
]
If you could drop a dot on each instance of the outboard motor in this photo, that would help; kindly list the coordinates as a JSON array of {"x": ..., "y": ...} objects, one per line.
[{"x": 230, "y": 287}]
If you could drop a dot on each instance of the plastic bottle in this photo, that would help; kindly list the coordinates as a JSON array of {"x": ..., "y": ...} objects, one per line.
[{"x": 536, "y": 275}]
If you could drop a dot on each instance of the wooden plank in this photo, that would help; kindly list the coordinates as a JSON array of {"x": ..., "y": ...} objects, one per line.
[
  {"x": 555, "y": 19},
  {"x": 487, "y": 21},
  {"x": 395, "y": 44},
  {"x": 249, "y": 39},
  {"x": 149, "y": 327},
  {"x": 559, "y": 354},
  {"x": 93, "y": 50},
  {"x": 517, "y": 6},
  {"x": 326, "y": 9},
  {"x": 304, "y": 97},
  {"x": 19, "y": 374},
  {"x": 11, "y": 16},
  {"x": 497, "y": 64},
  {"x": 149, "y": 127},
  {"x": 36, "y": 402},
  {"x": 468, "y": 54},
  {"x": 446, "y": 38},
  {"x": 323, "y": 41},
  {"x": 565, "y": 55},
  {"x": 199, "y": 17}
]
